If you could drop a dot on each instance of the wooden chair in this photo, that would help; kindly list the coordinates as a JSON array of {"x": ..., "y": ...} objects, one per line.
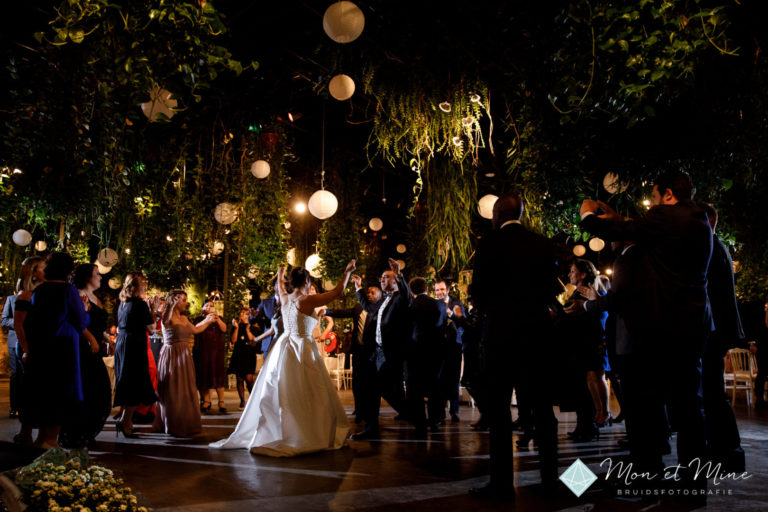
[{"x": 742, "y": 376}]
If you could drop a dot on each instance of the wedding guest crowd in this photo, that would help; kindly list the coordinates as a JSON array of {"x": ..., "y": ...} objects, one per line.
[{"x": 670, "y": 310}]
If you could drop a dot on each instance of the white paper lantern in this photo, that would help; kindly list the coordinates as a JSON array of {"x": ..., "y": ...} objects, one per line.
[
  {"x": 260, "y": 169},
  {"x": 160, "y": 103},
  {"x": 103, "y": 269},
  {"x": 291, "y": 257},
  {"x": 342, "y": 87},
  {"x": 485, "y": 205},
  {"x": 107, "y": 257},
  {"x": 375, "y": 224},
  {"x": 115, "y": 283},
  {"x": 22, "y": 237},
  {"x": 218, "y": 247},
  {"x": 401, "y": 248},
  {"x": 322, "y": 204},
  {"x": 40, "y": 245},
  {"x": 225, "y": 213},
  {"x": 612, "y": 184},
  {"x": 401, "y": 263},
  {"x": 312, "y": 264},
  {"x": 343, "y": 22},
  {"x": 579, "y": 250},
  {"x": 597, "y": 244}
]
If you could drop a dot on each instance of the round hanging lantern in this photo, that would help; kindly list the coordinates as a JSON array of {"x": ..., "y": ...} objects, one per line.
[
  {"x": 312, "y": 264},
  {"x": 322, "y": 204},
  {"x": 401, "y": 263},
  {"x": 612, "y": 184},
  {"x": 401, "y": 248},
  {"x": 343, "y": 22},
  {"x": 22, "y": 237},
  {"x": 485, "y": 205},
  {"x": 107, "y": 257},
  {"x": 40, "y": 245},
  {"x": 597, "y": 244},
  {"x": 291, "y": 256},
  {"x": 225, "y": 213},
  {"x": 160, "y": 103},
  {"x": 376, "y": 224},
  {"x": 218, "y": 247},
  {"x": 260, "y": 169},
  {"x": 579, "y": 250},
  {"x": 341, "y": 87},
  {"x": 103, "y": 269},
  {"x": 115, "y": 283}
]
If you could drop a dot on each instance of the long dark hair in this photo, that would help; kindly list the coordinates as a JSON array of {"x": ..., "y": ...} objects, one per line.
[
  {"x": 586, "y": 267},
  {"x": 82, "y": 274}
]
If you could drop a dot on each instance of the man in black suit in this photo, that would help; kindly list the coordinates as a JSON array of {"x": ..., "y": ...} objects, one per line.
[
  {"x": 723, "y": 438},
  {"x": 514, "y": 282},
  {"x": 361, "y": 320},
  {"x": 383, "y": 347},
  {"x": 451, "y": 374},
  {"x": 676, "y": 243},
  {"x": 423, "y": 357}
]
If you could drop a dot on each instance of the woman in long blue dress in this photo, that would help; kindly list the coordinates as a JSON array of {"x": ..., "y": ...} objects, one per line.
[
  {"x": 97, "y": 389},
  {"x": 57, "y": 321},
  {"x": 133, "y": 385}
]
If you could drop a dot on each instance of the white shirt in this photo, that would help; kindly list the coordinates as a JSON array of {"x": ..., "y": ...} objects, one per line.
[{"x": 378, "y": 318}]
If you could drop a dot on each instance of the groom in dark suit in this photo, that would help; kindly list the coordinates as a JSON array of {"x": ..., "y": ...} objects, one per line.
[
  {"x": 676, "y": 243},
  {"x": 514, "y": 282},
  {"x": 383, "y": 347}
]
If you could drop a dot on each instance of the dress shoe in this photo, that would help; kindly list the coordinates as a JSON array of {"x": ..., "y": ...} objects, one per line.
[
  {"x": 492, "y": 493},
  {"x": 366, "y": 434},
  {"x": 455, "y": 418}
]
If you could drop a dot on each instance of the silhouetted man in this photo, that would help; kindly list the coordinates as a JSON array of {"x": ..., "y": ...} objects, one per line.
[
  {"x": 516, "y": 332},
  {"x": 676, "y": 243}
]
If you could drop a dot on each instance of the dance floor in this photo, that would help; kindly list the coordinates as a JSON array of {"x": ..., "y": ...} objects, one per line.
[{"x": 395, "y": 473}]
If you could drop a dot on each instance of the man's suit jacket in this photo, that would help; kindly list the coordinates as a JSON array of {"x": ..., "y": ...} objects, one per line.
[
  {"x": 354, "y": 313},
  {"x": 623, "y": 300},
  {"x": 514, "y": 282},
  {"x": 728, "y": 332},
  {"x": 395, "y": 321},
  {"x": 676, "y": 243},
  {"x": 428, "y": 318}
]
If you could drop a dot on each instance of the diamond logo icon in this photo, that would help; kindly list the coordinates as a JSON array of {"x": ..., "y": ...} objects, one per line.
[{"x": 578, "y": 478}]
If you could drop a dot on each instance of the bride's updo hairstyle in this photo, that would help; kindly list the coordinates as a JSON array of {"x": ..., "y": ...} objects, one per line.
[{"x": 299, "y": 278}]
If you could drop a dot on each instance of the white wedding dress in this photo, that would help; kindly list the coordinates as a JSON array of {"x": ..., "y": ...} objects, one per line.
[{"x": 294, "y": 407}]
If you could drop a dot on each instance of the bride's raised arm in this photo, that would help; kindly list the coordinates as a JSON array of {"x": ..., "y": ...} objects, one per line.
[
  {"x": 280, "y": 286},
  {"x": 310, "y": 302}
]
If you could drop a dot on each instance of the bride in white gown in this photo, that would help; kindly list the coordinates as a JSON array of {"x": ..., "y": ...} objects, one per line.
[{"x": 294, "y": 407}]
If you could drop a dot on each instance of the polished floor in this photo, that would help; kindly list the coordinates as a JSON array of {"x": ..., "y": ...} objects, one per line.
[{"x": 395, "y": 473}]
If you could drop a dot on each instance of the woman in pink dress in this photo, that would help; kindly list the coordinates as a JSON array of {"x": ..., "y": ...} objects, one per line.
[{"x": 178, "y": 413}]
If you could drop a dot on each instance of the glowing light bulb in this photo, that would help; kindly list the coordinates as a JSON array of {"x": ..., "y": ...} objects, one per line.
[{"x": 300, "y": 207}]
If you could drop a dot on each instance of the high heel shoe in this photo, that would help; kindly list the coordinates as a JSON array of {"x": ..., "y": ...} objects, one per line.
[
  {"x": 222, "y": 408},
  {"x": 205, "y": 408},
  {"x": 609, "y": 421},
  {"x": 120, "y": 429}
]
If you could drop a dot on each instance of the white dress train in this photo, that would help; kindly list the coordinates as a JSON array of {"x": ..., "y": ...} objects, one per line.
[{"x": 294, "y": 407}]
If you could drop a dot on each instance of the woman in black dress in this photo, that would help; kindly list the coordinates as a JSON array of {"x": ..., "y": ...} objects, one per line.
[
  {"x": 135, "y": 318},
  {"x": 56, "y": 322},
  {"x": 584, "y": 351},
  {"x": 243, "y": 360},
  {"x": 97, "y": 388}
]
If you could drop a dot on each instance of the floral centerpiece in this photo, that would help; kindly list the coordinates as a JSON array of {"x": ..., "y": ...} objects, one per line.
[{"x": 60, "y": 481}]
